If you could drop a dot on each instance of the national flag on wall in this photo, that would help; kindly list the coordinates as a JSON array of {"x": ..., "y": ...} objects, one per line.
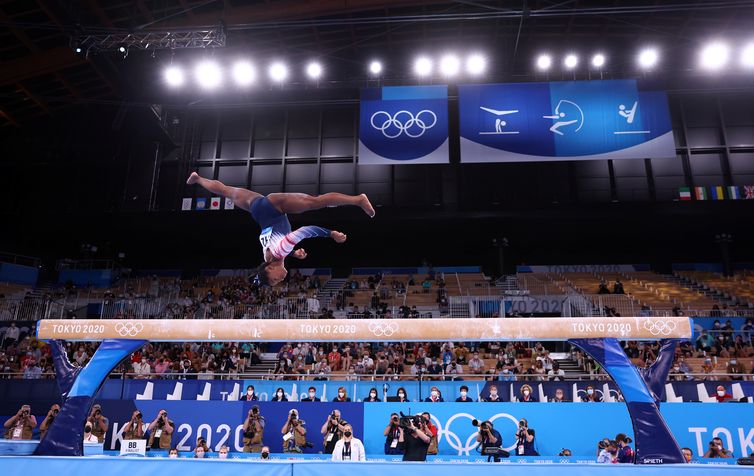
[
  {"x": 749, "y": 192},
  {"x": 701, "y": 193},
  {"x": 229, "y": 204},
  {"x": 214, "y": 204},
  {"x": 201, "y": 203},
  {"x": 186, "y": 205},
  {"x": 684, "y": 193},
  {"x": 734, "y": 193},
  {"x": 716, "y": 193}
]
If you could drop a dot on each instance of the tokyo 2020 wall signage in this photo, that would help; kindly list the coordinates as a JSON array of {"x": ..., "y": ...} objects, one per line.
[
  {"x": 574, "y": 120},
  {"x": 404, "y": 125}
]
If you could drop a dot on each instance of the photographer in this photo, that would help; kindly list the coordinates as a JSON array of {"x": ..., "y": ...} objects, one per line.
[
  {"x": 393, "y": 433},
  {"x": 20, "y": 425},
  {"x": 488, "y": 437},
  {"x": 134, "y": 429},
  {"x": 349, "y": 448},
  {"x": 294, "y": 433},
  {"x": 716, "y": 450},
  {"x": 253, "y": 431},
  {"x": 161, "y": 432},
  {"x": 99, "y": 423},
  {"x": 525, "y": 444},
  {"x": 47, "y": 422},
  {"x": 332, "y": 429},
  {"x": 432, "y": 431},
  {"x": 415, "y": 438}
]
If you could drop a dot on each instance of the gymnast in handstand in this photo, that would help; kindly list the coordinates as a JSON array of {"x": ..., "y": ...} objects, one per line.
[{"x": 271, "y": 213}]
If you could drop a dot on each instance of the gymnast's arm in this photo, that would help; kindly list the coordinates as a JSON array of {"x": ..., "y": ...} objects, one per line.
[{"x": 285, "y": 246}]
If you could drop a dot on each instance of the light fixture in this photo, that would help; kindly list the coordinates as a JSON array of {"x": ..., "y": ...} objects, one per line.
[
  {"x": 598, "y": 60},
  {"x": 208, "y": 74},
  {"x": 174, "y": 76},
  {"x": 571, "y": 61},
  {"x": 648, "y": 58},
  {"x": 747, "y": 56},
  {"x": 423, "y": 66},
  {"x": 314, "y": 70},
  {"x": 244, "y": 73},
  {"x": 714, "y": 56},
  {"x": 476, "y": 64},
  {"x": 375, "y": 67},
  {"x": 278, "y": 72},
  {"x": 544, "y": 62},
  {"x": 450, "y": 65}
]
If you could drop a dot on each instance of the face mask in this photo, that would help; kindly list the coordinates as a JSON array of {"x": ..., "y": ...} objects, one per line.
[
  {"x": 526, "y": 393},
  {"x": 402, "y": 395},
  {"x": 463, "y": 393},
  {"x": 733, "y": 361},
  {"x": 172, "y": 455},
  {"x": 265, "y": 455},
  {"x": 341, "y": 394},
  {"x": 223, "y": 455},
  {"x": 280, "y": 394},
  {"x": 676, "y": 369},
  {"x": 347, "y": 434},
  {"x": 434, "y": 393},
  {"x": 590, "y": 391},
  {"x": 493, "y": 394},
  {"x": 373, "y": 395},
  {"x": 721, "y": 392},
  {"x": 250, "y": 392},
  {"x": 559, "y": 396},
  {"x": 312, "y": 394}
]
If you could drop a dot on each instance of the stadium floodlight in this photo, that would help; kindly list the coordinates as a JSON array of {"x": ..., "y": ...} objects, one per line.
[
  {"x": 450, "y": 65},
  {"x": 571, "y": 61},
  {"x": 423, "y": 66},
  {"x": 244, "y": 73},
  {"x": 314, "y": 70},
  {"x": 476, "y": 64},
  {"x": 278, "y": 72},
  {"x": 598, "y": 60},
  {"x": 208, "y": 74},
  {"x": 174, "y": 76},
  {"x": 544, "y": 62},
  {"x": 648, "y": 58},
  {"x": 375, "y": 67},
  {"x": 747, "y": 56},
  {"x": 714, "y": 56}
]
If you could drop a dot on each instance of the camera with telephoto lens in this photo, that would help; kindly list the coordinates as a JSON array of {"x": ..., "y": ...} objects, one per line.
[
  {"x": 406, "y": 421},
  {"x": 483, "y": 425}
]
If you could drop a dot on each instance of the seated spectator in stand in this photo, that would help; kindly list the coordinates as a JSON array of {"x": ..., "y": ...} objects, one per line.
[
  {"x": 436, "y": 370},
  {"x": 312, "y": 396},
  {"x": 251, "y": 395},
  {"x": 434, "y": 395},
  {"x": 735, "y": 369},
  {"x": 464, "y": 395},
  {"x": 342, "y": 395},
  {"x": 591, "y": 395},
  {"x": 618, "y": 287},
  {"x": 32, "y": 370},
  {"x": 721, "y": 395},
  {"x": 426, "y": 285},
  {"x": 645, "y": 311},
  {"x": 142, "y": 368},
  {"x": 559, "y": 396},
  {"x": 493, "y": 396},
  {"x": 716, "y": 450},
  {"x": 333, "y": 359},
  {"x": 603, "y": 289},
  {"x": 401, "y": 394},
  {"x": 453, "y": 371},
  {"x": 708, "y": 369},
  {"x": 279, "y": 396},
  {"x": 526, "y": 394},
  {"x": 556, "y": 373},
  {"x": 476, "y": 365}
]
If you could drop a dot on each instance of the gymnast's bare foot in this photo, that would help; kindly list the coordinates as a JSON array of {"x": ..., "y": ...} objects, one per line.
[
  {"x": 338, "y": 236},
  {"x": 366, "y": 205},
  {"x": 193, "y": 178}
]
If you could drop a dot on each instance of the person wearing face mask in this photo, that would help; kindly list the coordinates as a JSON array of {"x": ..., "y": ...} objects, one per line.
[
  {"x": 625, "y": 453},
  {"x": 173, "y": 453},
  {"x": 493, "y": 396},
  {"x": 265, "y": 454},
  {"x": 199, "y": 452},
  {"x": 591, "y": 395},
  {"x": 342, "y": 395},
  {"x": 251, "y": 395},
  {"x": 312, "y": 396},
  {"x": 393, "y": 433},
  {"x": 721, "y": 395},
  {"x": 223, "y": 453},
  {"x": 434, "y": 396},
  {"x": 401, "y": 395},
  {"x": 608, "y": 452},
  {"x": 464, "y": 392},
  {"x": 735, "y": 369},
  {"x": 372, "y": 396},
  {"x": 349, "y": 448},
  {"x": 332, "y": 430},
  {"x": 527, "y": 395},
  {"x": 559, "y": 396},
  {"x": 279, "y": 396},
  {"x": 88, "y": 437}
]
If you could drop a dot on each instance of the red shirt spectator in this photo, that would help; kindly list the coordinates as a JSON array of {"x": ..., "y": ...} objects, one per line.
[{"x": 722, "y": 395}]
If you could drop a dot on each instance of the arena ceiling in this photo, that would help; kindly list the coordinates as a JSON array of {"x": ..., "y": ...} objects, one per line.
[{"x": 40, "y": 73}]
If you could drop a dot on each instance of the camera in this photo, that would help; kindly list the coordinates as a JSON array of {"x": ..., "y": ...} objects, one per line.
[
  {"x": 483, "y": 425},
  {"x": 138, "y": 415},
  {"x": 254, "y": 410},
  {"x": 55, "y": 412},
  {"x": 406, "y": 421}
]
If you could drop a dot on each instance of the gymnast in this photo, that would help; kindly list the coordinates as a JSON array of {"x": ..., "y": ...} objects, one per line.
[{"x": 271, "y": 213}]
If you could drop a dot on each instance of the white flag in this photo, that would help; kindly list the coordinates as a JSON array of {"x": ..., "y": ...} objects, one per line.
[
  {"x": 229, "y": 204},
  {"x": 214, "y": 204},
  {"x": 186, "y": 205}
]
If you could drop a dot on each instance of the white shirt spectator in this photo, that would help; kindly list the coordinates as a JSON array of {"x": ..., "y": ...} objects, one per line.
[
  {"x": 142, "y": 369},
  {"x": 555, "y": 374},
  {"x": 357, "y": 450},
  {"x": 90, "y": 439}
]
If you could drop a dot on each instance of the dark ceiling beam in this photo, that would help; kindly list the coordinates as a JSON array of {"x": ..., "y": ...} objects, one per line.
[
  {"x": 37, "y": 64},
  {"x": 145, "y": 11},
  {"x": 286, "y": 9},
  {"x": 187, "y": 9},
  {"x": 100, "y": 13},
  {"x": 43, "y": 105},
  {"x": 8, "y": 116}
]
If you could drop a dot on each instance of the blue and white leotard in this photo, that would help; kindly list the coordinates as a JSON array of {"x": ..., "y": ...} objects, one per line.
[{"x": 276, "y": 234}]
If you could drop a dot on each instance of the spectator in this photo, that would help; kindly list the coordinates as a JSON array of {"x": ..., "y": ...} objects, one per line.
[
  {"x": 526, "y": 394},
  {"x": 88, "y": 436},
  {"x": 199, "y": 452},
  {"x": 173, "y": 453},
  {"x": 721, "y": 395},
  {"x": 223, "y": 453},
  {"x": 342, "y": 395},
  {"x": 464, "y": 390},
  {"x": 312, "y": 396},
  {"x": 608, "y": 452},
  {"x": 11, "y": 335},
  {"x": 688, "y": 454},
  {"x": 556, "y": 373},
  {"x": 250, "y": 396},
  {"x": 333, "y": 359},
  {"x": 402, "y": 395},
  {"x": 735, "y": 369},
  {"x": 476, "y": 365},
  {"x": 559, "y": 396},
  {"x": 618, "y": 287},
  {"x": 603, "y": 289},
  {"x": 716, "y": 450},
  {"x": 372, "y": 397},
  {"x": 32, "y": 370},
  {"x": 591, "y": 396},
  {"x": 348, "y": 448},
  {"x": 279, "y": 396},
  {"x": 20, "y": 425},
  {"x": 453, "y": 371},
  {"x": 434, "y": 395},
  {"x": 493, "y": 397},
  {"x": 142, "y": 368}
]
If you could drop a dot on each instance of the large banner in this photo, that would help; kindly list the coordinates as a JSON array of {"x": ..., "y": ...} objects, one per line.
[
  {"x": 575, "y": 120},
  {"x": 404, "y": 125}
]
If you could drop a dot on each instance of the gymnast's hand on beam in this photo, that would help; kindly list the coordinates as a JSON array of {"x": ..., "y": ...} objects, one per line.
[
  {"x": 299, "y": 253},
  {"x": 338, "y": 236}
]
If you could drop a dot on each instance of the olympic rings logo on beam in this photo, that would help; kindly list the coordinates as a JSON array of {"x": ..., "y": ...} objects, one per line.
[
  {"x": 128, "y": 329},
  {"x": 659, "y": 327},
  {"x": 404, "y": 122},
  {"x": 464, "y": 447},
  {"x": 380, "y": 329}
]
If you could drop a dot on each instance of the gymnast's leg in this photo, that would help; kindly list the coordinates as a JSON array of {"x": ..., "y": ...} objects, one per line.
[
  {"x": 300, "y": 202},
  {"x": 241, "y": 197}
]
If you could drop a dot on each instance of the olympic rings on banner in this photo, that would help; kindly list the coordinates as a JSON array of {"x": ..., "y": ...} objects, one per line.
[{"x": 404, "y": 121}]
